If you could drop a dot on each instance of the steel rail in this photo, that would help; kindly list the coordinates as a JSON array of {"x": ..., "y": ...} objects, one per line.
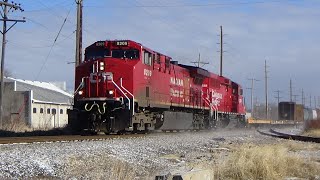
[
  {"x": 277, "y": 134},
  {"x": 65, "y": 138}
]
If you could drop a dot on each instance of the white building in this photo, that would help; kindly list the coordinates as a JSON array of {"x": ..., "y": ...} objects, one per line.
[{"x": 40, "y": 105}]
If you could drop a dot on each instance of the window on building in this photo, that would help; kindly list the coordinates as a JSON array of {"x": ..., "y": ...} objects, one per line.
[
  {"x": 41, "y": 110},
  {"x": 48, "y": 111},
  {"x": 61, "y": 111},
  {"x": 54, "y": 111},
  {"x": 34, "y": 110}
]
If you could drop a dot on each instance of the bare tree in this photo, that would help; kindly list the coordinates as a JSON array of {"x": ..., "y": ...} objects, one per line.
[{"x": 7, "y": 73}]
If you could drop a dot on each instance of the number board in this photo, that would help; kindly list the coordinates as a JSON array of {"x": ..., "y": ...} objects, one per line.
[
  {"x": 122, "y": 43},
  {"x": 100, "y": 43}
]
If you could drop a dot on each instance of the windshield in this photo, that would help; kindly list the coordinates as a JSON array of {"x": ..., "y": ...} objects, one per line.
[
  {"x": 97, "y": 53},
  {"x": 130, "y": 54}
]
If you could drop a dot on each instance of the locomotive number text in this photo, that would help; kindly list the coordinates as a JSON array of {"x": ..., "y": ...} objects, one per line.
[
  {"x": 147, "y": 72},
  {"x": 122, "y": 43}
]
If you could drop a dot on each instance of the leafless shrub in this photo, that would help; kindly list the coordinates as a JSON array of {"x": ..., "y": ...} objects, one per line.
[{"x": 15, "y": 125}]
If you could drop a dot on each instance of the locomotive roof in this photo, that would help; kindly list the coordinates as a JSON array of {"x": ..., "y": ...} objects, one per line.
[
  {"x": 144, "y": 47},
  {"x": 196, "y": 70}
]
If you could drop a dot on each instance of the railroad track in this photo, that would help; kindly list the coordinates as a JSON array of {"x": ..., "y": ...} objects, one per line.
[
  {"x": 277, "y": 134},
  {"x": 22, "y": 138},
  {"x": 64, "y": 138}
]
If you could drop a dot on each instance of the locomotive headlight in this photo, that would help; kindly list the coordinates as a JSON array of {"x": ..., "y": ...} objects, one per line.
[
  {"x": 111, "y": 92},
  {"x": 101, "y": 66},
  {"x": 80, "y": 93}
]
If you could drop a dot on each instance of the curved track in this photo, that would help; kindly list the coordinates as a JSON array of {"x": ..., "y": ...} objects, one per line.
[
  {"x": 277, "y": 134},
  {"x": 65, "y": 138}
]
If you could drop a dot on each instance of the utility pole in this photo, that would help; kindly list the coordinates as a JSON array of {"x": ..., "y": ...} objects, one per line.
[
  {"x": 266, "y": 86},
  {"x": 278, "y": 96},
  {"x": 252, "y": 87},
  {"x": 302, "y": 98},
  {"x": 290, "y": 91},
  {"x": 6, "y": 7},
  {"x": 295, "y": 98},
  {"x": 315, "y": 102},
  {"x": 197, "y": 63},
  {"x": 310, "y": 101},
  {"x": 221, "y": 49},
  {"x": 78, "y": 58}
]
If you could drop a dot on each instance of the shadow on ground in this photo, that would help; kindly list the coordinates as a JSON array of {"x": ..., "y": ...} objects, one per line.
[{"x": 52, "y": 132}]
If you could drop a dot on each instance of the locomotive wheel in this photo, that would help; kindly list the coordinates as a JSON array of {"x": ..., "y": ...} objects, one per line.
[{"x": 146, "y": 128}]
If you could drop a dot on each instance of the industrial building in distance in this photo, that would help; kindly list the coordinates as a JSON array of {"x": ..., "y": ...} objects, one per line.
[{"x": 40, "y": 105}]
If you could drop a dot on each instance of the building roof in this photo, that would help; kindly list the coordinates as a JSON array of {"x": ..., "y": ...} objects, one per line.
[{"x": 43, "y": 92}]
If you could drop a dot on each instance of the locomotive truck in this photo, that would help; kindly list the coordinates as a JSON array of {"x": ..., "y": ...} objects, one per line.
[{"x": 124, "y": 86}]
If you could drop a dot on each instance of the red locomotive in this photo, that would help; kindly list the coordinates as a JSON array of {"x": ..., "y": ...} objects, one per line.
[{"x": 123, "y": 86}]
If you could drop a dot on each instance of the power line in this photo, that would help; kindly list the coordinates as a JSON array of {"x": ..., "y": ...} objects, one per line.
[
  {"x": 302, "y": 97},
  {"x": 295, "y": 97},
  {"x": 54, "y": 42},
  {"x": 266, "y": 86},
  {"x": 199, "y": 62},
  {"x": 6, "y": 7},
  {"x": 173, "y": 26},
  {"x": 278, "y": 96},
  {"x": 252, "y": 88},
  {"x": 290, "y": 90},
  {"x": 190, "y": 5},
  {"x": 57, "y": 5},
  {"x": 221, "y": 49}
]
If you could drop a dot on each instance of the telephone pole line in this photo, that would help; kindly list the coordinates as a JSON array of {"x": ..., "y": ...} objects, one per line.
[
  {"x": 78, "y": 57},
  {"x": 197, "y": 63},
  {"x": 266, "y": 86},
  {"x": 6, "y": 7},
  {"x": 290, "y": 91},
  {"x": 252, "y": 88},
  {"x": 295, "y": 98},
  {"x": 221, "y": 49},
  {"x": 310, "y": 101},
  {"x": 278, "y": 96},
  {"x": 302, "y": 98}
]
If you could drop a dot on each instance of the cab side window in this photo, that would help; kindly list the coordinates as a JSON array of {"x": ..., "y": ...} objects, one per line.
[
  {"x": 167, "y": 64},
  {"x": 147, "y": 59}
]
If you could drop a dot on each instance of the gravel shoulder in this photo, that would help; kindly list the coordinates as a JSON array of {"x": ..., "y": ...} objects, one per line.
[{"x": 130, "y": 158}]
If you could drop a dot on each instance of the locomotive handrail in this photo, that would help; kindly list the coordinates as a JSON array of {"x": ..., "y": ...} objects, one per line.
[
  {"x": 121, "y": 85},
  {"x": 212, "y": 106},
  {"x": 80, "y": 85},
  {"x": 121, "y": 91}
]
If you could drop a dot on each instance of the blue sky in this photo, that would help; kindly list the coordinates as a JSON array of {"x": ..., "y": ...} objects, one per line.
[{"x": 285, "y": 33}]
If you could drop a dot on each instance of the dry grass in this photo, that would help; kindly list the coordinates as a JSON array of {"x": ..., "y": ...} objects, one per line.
[
  {"x": 102, "y": 167},
  {"x": 265, "y": 162},
  {"x": 296, "y": 146},
  {"x": 312, "y": 132}
]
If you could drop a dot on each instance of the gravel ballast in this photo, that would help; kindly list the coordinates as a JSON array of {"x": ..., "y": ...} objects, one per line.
[{"x": 129, "y": 158}]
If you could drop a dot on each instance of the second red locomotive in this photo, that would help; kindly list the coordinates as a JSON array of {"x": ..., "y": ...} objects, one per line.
[{"x": 123, "y": 86}]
